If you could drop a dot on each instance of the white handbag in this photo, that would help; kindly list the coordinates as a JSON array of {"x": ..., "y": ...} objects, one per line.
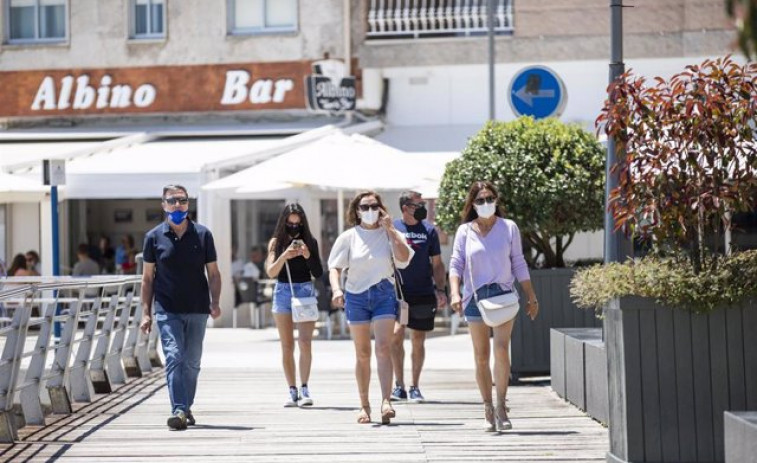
[
  {"x": 304, "y": 309},
  {"x": 495, "y": 310}
]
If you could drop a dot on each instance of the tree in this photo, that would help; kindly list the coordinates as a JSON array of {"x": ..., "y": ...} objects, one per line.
[
  {"x": 690, "y": 156},
  {"x": 744, "y": 12},
  {"x": 550, "y": 177}
]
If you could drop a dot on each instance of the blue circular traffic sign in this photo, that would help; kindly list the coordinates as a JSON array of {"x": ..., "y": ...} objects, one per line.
[{"x": 537, "y": 91}]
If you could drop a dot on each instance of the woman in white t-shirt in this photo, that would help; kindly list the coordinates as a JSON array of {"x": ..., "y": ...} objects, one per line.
[{"x": 365, "y": 251}]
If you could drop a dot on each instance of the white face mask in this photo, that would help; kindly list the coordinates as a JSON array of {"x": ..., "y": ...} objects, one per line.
[
  {"x": 369, "y": 217},
  {"x": 485, "y": 210}
]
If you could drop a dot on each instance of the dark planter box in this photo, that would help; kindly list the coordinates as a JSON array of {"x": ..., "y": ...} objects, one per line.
[
  {"x": 530, "y": 346},
  {"x": 672, "y": 375},
  {"x": 579, "y": 369}
]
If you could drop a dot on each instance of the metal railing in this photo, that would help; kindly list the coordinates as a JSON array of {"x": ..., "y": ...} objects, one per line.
[
  {"x": 436, "y": 18},
  {"x": 100, "y": 344}
]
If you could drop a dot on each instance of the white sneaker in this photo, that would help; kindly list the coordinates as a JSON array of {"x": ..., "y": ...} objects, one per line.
[
  {"x": 292, "y": 399},
  {"x": 305, "y": 400}
]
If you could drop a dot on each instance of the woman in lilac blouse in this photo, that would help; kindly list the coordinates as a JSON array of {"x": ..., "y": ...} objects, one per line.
[{"x": 490, "y": 245}]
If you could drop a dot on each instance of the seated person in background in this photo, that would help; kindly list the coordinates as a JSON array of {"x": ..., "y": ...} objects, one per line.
[
  {"x": 85, "y": 265},
  {"x": 252, "y": 268},
  {"x": 19, "y": 267},
  {"x": 107, "y": 255},
  {"x": 33, "y": 262}
]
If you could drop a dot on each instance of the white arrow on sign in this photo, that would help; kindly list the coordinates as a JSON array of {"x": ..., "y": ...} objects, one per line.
[{"x": 528, "y": 97}]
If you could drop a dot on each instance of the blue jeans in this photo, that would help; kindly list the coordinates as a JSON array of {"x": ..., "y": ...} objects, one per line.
[
  {"x": 375, "y": 303},
  {"x": 181, "y": 335},
  {"x": 282, "y": 295},
  {"x": 472, "y": 314}
]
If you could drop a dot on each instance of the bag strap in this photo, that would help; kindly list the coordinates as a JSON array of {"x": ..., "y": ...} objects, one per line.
[
  {"x": 397, "y": 274},
  {"x": 469, "y": 262},
  {"x": 291, "y": 286}
]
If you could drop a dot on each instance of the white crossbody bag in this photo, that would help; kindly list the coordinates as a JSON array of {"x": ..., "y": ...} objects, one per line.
[
  {"x": 495, "y": 310},
  {"x": 304, "y": 309}
]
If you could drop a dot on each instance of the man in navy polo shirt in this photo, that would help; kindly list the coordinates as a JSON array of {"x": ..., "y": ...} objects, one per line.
[
  {"x": 423, "y": 283},
  {"x": 177, "y": 253}
]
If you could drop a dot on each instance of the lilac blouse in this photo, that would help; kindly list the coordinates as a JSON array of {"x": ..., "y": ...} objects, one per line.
[{"x": 495, "y": 258}]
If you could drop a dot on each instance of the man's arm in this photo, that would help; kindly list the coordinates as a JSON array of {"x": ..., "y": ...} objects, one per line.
[
  {"x": 148, "y": 277},
  {"x": 214, "y": 281},
  {"x": 440, "y": 279}
]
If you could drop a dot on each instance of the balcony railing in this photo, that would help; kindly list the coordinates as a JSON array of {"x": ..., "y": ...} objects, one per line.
[{"x": 436, "y": 18}]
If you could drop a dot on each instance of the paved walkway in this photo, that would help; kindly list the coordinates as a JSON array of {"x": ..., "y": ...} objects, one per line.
[{"x": 241, "y": 419}]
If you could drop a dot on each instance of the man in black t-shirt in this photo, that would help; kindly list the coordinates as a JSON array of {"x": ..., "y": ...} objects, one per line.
[
  {"x": 177, "y": 253},
  {"x": 422, "y": 284}
]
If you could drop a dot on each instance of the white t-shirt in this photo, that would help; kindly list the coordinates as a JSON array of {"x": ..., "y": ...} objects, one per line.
[
  {"x": 251, "y": 270},
  {"x": 237, "y": 268},
  {"x": 367, "y": 254}
]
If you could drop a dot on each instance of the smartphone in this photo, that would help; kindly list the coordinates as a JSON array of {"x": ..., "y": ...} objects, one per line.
[{"x": 297, "y": 243}]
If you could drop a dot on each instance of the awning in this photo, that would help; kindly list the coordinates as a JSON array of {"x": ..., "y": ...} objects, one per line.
[
  {"x": 17, "y": 189},
  {"x": 138, "y": 170}
]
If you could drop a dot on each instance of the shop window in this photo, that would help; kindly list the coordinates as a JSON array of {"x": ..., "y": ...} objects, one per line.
[
  {"x": 262, "y": 16},
  {"x": 31, "y": 21},
  {"x": 148, "y": 19}
]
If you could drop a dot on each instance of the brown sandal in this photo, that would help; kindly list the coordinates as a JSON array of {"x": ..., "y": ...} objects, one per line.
[
  {"x": 364, "y": 417},
  {"x": 387, "y": 412}
]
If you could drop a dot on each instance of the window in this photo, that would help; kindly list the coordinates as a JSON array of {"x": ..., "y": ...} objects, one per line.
[
  {"x": 36, "y": 21},
  {"x": 147, "y": 19},
  {"x": 261, "y": 16}
]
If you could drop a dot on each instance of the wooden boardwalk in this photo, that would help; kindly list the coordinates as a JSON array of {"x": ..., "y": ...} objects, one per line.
[{"x": 241, "y": 418}]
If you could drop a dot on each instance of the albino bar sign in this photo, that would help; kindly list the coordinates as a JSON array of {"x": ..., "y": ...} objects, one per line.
[{"x": 161, "y": 89}]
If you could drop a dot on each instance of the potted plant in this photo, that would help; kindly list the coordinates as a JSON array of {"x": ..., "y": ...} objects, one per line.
[
  {"x": 680, "y": 323},
  {"x": 550, "y": 178}
]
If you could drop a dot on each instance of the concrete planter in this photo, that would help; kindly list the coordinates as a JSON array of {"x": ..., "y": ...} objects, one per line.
[
  {"x": 530, "y": 346},
  {"x": 672, "y": 375}
]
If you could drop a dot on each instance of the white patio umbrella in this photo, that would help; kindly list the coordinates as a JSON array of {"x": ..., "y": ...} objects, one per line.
[
  {"x": 339, "y": 162},
  {"x": 18, "y": 189}
]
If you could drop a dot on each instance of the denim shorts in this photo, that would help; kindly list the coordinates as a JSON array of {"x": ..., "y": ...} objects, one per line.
[
  {"x": 375, "y": 303},
  {"x": 472, "y": 314},
  {"x": 282, "y": 295}
]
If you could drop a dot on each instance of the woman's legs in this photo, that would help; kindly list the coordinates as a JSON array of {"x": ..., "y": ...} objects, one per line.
[
  {"x": 305, "y": 342},
  {"x": 361, "y": 337},
  {"x": 479, "y": 333},
  {"x": 502, "y": 335},
  {"x": 286, "y": 336},
  {"x": 383, "y": 330}
]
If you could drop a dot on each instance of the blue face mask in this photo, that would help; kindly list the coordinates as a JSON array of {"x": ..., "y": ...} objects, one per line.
[{"x": 177, "y": 217}]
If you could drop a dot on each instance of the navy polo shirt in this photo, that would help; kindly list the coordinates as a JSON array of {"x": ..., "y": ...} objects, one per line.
[{"x": 180, "y": 285}]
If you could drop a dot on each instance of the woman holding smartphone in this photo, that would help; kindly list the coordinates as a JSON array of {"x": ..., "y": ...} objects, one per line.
[
  {"x": 368, "y": 295},
  {"x": 293, "y": 245}
]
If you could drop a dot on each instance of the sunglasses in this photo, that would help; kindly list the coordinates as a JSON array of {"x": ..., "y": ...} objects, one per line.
[
  {"x": 416, "y": 205},
  {"x": 173, "y": 201},
  {"x": 481, "y": 201},
  {"x": 365, "y": 207}
]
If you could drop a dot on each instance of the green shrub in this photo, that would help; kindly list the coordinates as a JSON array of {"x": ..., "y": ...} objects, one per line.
[
  {"x": 669, "y": 282},
  {"x": 550, "y": 177}
]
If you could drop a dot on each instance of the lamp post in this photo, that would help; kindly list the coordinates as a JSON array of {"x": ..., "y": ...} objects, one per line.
[
  {"x": 490, "y": 24},
  {"x": 617, "y": 246}
]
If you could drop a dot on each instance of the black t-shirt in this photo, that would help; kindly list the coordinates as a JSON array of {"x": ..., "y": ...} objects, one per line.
[
  {"x": 300, "y": 267},
  {"x": 180, "y": 284}
]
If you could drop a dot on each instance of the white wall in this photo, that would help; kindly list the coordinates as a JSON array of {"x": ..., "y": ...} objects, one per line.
[
  {"x": 24, "y": 228},
  {"x": 458, "y": 95}
]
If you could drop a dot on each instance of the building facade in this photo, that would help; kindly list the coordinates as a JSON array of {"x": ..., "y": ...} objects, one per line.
[{"x": 196, "y": 90}]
